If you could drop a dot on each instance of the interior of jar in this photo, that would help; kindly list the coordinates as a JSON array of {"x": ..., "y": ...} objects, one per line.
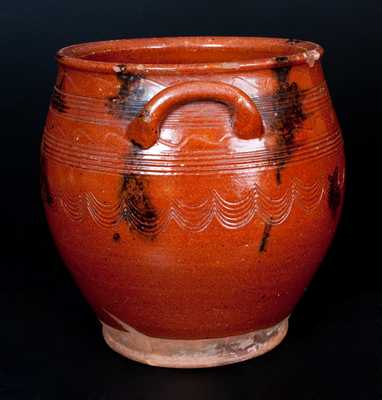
[{"x": 189, "y": 55}]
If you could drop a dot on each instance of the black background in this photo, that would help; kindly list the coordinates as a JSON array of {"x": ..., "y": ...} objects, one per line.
[{"x": 50, "y": 342}]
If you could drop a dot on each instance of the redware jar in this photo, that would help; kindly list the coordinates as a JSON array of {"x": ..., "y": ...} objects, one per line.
[{"x": 192, "y": 186}]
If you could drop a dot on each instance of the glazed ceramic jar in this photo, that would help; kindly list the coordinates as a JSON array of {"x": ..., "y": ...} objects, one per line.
[{"x": 192, "y": 186}]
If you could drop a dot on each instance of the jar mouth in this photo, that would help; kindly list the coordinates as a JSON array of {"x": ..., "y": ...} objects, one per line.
[{"x": 199, "y": 54}]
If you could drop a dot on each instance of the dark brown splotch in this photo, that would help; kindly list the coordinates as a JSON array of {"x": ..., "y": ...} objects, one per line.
[
  {"x": 58, "y": 100},
  {"x": 137, "y": 208},
  {"x": 334, "y": 192},
  {"x": 116, "y": 237},
  {"x": 281, "y": 59},
  {"x": 265, "y": 237},
  {"x": 46, "y": 193},
  {"x": 289, "y": 115},
  {"x": 294, "y": 41},
  {"x": 126, "y": 104}
]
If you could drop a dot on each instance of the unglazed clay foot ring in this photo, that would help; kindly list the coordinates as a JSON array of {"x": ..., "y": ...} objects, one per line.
[{"x": 199, "y": 353}]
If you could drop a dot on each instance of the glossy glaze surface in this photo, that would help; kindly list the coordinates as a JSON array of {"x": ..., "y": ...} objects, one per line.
[{"x": 192, "y": 185}]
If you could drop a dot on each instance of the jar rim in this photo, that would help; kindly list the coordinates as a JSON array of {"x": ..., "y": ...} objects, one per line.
[{"x": 188, "y": 54}]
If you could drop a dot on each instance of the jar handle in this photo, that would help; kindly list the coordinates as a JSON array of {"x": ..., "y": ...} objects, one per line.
[{"x": 144, "y": 130}]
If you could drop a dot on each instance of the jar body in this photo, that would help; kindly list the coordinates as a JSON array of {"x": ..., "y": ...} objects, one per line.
[{"x": 203, "y": 234}]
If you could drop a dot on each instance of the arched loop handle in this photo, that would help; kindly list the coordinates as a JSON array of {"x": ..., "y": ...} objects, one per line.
[{"x": 144, "y": 130}]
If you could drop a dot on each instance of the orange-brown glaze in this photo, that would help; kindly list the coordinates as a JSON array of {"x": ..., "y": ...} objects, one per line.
[{"x": 192, "y": 192}]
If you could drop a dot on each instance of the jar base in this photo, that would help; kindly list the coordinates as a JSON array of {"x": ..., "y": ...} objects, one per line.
[{"x": 193, "y": 353}]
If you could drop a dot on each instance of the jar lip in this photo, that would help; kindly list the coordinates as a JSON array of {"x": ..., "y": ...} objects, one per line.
[{"x": 279, "y": 52}]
